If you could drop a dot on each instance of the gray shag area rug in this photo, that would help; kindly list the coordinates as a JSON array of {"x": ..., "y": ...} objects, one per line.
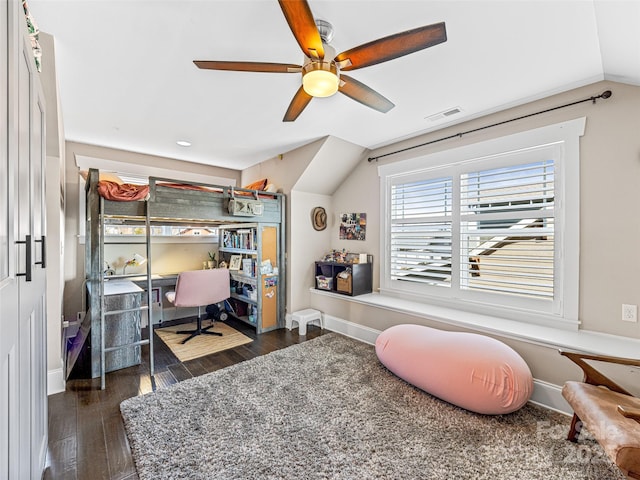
[{"x": 327, "y": 409}]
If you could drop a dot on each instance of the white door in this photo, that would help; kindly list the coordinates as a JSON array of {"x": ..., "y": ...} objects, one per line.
[
  {"x": 23, "y": 400},
  {"x": 37, "y": 316},
  {"x": 8, "y": 280},
  {"x": 31, "y": 282}
]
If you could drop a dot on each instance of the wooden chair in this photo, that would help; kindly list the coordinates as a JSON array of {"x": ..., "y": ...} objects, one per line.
[
  {"x": 199, "y": 288},
  {"x": 609, "y": 412}
]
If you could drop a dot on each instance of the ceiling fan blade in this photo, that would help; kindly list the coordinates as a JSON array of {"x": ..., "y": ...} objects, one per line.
[
  {"x": 249, "y": 66},
  {"x": 358, "y": 91},
  {"x": 300, "y": 100},
  {"x": 391, "y": 47},
  {"x": 303, "y": 26}
]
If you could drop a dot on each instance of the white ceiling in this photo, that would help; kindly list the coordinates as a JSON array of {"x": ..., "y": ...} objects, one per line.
[{"x": 127, "y": 80}]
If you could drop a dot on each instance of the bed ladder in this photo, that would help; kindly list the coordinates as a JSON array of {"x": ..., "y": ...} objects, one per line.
[{"x": 106, "y": 315}]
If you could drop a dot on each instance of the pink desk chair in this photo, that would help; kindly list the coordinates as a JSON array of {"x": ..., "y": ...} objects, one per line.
[{"x": 199, "y": 288}]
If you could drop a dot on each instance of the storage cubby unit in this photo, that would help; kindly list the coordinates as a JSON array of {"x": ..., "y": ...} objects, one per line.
[
  {"x": 252, "y": 251},
  {"x": 360, "y": 280}
]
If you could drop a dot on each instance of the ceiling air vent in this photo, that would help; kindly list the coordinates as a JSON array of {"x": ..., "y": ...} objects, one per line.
[{"x": 444, "y": 114}]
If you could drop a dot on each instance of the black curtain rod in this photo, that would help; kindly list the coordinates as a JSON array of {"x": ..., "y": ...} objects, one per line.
[{"x": 606, "y": 94}]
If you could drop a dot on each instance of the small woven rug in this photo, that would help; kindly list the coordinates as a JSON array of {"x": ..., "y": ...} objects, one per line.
[{"x": 201, "y": 345}]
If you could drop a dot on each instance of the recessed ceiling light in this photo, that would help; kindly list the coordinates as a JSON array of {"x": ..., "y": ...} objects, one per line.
[{"x": 183, "y": 143}]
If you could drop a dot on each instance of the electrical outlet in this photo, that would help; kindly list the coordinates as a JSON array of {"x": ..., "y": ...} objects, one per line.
[{"x": 629, "y": 313}]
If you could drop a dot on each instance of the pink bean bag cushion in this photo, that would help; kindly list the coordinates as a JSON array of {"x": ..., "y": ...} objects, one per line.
[{"x": 472, "y": 371}]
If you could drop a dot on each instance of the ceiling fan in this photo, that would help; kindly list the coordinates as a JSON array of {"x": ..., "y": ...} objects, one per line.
[{"x": 322, "y": 69}]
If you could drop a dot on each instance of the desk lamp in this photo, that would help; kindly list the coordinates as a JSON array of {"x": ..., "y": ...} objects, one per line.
[{"x": 136, "y": 261}]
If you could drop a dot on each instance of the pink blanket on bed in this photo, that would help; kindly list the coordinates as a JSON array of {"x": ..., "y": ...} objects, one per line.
[{"x": 125, "y": 192}]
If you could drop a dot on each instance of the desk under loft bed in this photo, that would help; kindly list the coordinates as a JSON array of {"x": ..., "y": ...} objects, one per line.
[{"x": 258, "y": 293}]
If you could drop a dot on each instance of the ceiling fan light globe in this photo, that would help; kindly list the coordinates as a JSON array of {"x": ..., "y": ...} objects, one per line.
[{"x": 320, "y": 83}]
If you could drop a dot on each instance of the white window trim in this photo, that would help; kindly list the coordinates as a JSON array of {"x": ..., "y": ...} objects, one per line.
[{"x": 566, "y": 137}]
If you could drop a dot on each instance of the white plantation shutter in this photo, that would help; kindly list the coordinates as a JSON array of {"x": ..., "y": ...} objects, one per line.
[
  {"x": 421, "y": 231},
  {"x": 507, "y": 230},
  {"x": 491, "y": 227}
]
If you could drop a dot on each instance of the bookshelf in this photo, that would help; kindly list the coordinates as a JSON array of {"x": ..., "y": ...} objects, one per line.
[{"x": 253, "y": 252}]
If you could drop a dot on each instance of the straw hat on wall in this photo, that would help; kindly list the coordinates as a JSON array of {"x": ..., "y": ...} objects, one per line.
[{"x": 319, "y": 218}]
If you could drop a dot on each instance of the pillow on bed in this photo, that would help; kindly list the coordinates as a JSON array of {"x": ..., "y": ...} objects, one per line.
[
  {"x": 257, "y": 185},
  {"x": 103, "y": 176}
]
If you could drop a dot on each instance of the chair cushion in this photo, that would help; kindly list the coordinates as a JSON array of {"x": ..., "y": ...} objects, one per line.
[
  {"x": 472, "y": 371},
  {"x": 597, "y": 408},
  {"x": 197, "y": 288}
]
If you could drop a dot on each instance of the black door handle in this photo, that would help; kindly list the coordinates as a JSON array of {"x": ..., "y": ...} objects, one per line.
[
  {"x": 43, "y": 254},
  {"x": 27, "y": 273}
]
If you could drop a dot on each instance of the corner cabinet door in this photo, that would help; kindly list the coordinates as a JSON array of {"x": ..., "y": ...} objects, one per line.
[
  {"x": 269, "y": 283},
  {"x": 36, "y": 355}
]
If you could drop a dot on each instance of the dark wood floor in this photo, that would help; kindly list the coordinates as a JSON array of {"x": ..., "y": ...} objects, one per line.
[{"x": 87, "y": 439}]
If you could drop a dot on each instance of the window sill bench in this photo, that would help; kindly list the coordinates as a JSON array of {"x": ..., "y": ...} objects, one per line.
[{"x": 581, "y": 340}]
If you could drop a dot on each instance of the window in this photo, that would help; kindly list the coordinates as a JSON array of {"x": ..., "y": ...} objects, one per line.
[
  {"x": 421, "y": 230},
  {"x": 507, "y": 230},
  {"x": 162, "y": 231},
  {"x": 491, "y": 227}
]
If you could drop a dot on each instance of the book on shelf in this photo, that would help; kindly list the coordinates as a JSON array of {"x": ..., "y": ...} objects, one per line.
[
  {"x": 248, "y": 267},
  {"x": 243, "y": 239}
]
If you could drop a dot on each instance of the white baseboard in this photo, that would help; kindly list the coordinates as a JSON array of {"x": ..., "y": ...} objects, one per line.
[
  {"x": 550, "y": 396},
  {"x": 350, "y": 329},
  {"x": 545, "y": 394},
  {"x": 55, "y": 381}
]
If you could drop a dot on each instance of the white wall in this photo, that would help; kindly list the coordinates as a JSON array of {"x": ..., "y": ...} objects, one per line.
[
  {"x": 55, "y": 207},
  {"x": 609, "y": 193},
  {"x": 610, "y": 174},
  {"x": 309, "y": 176},
  {"x": 610, "y": 226},
  {"x": 308, "y": 243},
  {"x": 284, "y": 171},
  {"x": 167, "y": 257},
  {"x": 357, "y": 194}
]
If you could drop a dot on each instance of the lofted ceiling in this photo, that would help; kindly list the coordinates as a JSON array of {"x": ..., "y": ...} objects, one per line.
[{"x": 127, "y": 79}]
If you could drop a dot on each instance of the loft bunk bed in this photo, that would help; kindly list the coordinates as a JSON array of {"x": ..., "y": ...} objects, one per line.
[{"x": 162, "y": 202}]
